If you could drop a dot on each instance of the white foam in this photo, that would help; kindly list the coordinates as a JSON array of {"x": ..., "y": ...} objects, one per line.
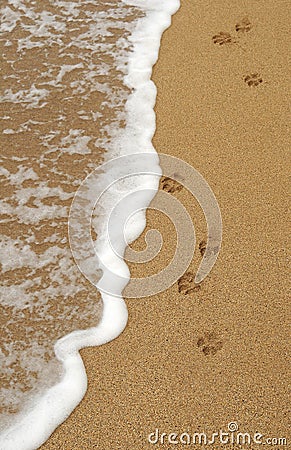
[
  {"x": 9, "y": 19},
  {"x": 31, "y": 97},
  {"x": 40, "y": 420}
]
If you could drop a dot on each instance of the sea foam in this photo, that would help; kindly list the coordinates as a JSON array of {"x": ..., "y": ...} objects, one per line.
[{"x": 34, "y": 425}]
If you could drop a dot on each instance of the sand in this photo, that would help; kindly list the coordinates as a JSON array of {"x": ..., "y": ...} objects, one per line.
[{"x": 197, "y": 361}]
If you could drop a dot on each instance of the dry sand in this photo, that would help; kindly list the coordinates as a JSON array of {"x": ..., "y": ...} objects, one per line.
[{"x": 155, "y": 375}]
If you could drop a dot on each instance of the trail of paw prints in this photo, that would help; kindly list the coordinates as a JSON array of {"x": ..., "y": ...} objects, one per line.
[
  {"x": 241, "y": 27},
  {"x": 170, "y": 185},
  {"x": 210, "y": 343},
  {"x": 187, "y": 285}
]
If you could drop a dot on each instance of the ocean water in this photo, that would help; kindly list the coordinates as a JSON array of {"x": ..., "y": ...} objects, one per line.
[{"x": 76, "y": 92}]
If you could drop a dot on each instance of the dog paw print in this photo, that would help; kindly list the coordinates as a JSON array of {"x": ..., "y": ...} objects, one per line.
[
  {"x": 241, "y": 27},
  {"x": 212, "y": 250},
  {"x": 187, "y": 285},
  {"x": 170, "y": 185},
  {"x": 210, "y": 343},
  {"x": 223, "y": 38},
  {"x": 244, "y": 26},
  {"x": 202, "y": 247},
  {"x": 254, "y": 79}
]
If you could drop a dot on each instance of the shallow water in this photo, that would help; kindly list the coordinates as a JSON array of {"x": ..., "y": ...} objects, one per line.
[{"x": 62, "y": 99}]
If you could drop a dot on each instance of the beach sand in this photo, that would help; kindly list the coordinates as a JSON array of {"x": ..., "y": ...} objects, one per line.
[{"x": 197, "y": 361}]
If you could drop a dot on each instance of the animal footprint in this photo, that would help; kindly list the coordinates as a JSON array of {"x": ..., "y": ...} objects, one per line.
[
  {"x": 202, "y": 247},
  {"x": 244, "y": 26},
  {"x": 254, "y": 79},
  {"x": 210, "y": 343},
  {"x": 223, "y": 38},
  {"x": 186, "y": 283},
  {"x": 241, "y": 27},
  {"x": 170, "y": 185}
]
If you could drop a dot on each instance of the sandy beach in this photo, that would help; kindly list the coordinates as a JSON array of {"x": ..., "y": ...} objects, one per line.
[{"x": 198, "y": 361}]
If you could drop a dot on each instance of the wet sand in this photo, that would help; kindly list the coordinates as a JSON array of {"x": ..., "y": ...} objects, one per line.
[{"x": 197, "y": 361}]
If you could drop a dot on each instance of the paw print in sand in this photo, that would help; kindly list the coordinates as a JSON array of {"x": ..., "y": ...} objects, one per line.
[
  {"x": 170, "y": 185},
  {"x": 202, "y": 247},
  {"x": 210, "y": 343},
  {"x": 212, "y": 248},
  {"x": 241, "y": 27},
  {"x": 186, "y": 283},
  {"x": 254, "y": 79},
  {"x": 244, "y": 26},
  {"x": 223, "y": 38}
]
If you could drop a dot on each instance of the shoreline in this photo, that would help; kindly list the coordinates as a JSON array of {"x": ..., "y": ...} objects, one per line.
[{"x": 156, "y": 375}]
